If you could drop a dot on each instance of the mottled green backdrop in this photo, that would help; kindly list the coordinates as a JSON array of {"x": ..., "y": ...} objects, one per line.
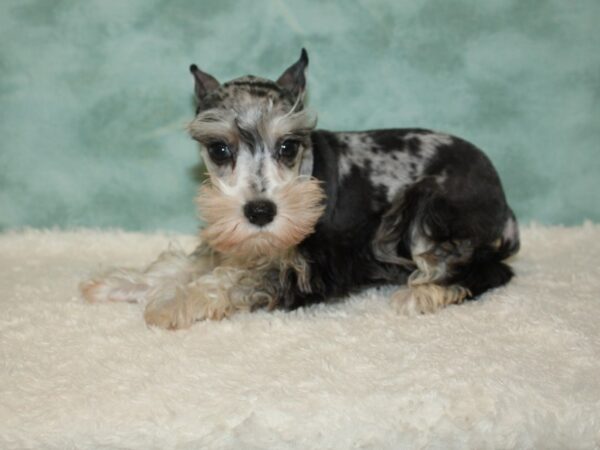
[{"x": 94, "y": 95}]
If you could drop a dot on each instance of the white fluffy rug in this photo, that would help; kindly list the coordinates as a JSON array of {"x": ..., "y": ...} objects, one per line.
[{"x": 518, "y": 369}]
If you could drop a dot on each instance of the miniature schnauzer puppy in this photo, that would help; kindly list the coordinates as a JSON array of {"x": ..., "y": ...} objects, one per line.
[{"x": 294, "y": 215}]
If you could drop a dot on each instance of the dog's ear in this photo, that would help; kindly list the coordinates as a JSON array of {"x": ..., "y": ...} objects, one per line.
[
  {"x": 205, "y": 83},
  {"x": 293, "y": 79}
]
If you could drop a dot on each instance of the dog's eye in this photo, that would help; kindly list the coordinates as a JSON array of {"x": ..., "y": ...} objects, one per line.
[
  {"x": 219, "y": 152},
  {"x": 289, "y": 149}
]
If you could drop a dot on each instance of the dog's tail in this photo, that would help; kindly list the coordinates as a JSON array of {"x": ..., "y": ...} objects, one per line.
[
  {"x": 487, "y": 269},
  {"x": 509, "y": 241},
  {"x": 483, "y": 272}
]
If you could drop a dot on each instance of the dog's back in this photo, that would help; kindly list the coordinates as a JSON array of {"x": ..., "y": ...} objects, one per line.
[{"x": 408, "y": 203}]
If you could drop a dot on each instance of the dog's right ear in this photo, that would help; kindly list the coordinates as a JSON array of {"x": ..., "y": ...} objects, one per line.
[
  {"x": 294, "y": 78},
  {"x": 205, "y": 83}
]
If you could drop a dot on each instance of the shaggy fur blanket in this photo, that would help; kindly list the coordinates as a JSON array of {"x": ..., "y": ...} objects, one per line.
[{"x": 519, "y": 368}]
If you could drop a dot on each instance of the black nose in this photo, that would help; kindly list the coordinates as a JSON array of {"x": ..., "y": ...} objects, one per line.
[{"x": 260, "y": 212}]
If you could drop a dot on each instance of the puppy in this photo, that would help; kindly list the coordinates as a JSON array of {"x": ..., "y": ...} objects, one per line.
[{"x": 294, "y": 215}]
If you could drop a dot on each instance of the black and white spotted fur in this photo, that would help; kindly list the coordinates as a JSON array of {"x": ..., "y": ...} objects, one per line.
[{"x": 395, "y": 194}]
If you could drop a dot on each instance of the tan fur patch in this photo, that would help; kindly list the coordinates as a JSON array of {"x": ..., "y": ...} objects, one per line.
[
  {"x": 213, "y": 296},
  {"x": 299, "y": 206},
  {"x": 427, "y": 298}
]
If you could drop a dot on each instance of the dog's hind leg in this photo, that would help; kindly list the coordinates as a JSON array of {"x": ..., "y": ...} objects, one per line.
[
  {"x": 456, "y": 240},
  {"x": 429, "y": 288},
  {"x": 444, "y": 278}
]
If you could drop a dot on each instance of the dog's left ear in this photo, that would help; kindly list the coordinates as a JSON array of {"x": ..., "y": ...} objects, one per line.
[
  {"x": 293, "y": 79},
  {"x": 205, "y": 83}
]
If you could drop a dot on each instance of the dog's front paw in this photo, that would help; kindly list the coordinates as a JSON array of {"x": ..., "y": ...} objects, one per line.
[
  {"x": 189, "y": 305},
  {"x": 114, "y": 287},
  {"x": 170, "y": 315},
  {"x": 93, "y": 290},
  {"x": 406, "y": 303}
]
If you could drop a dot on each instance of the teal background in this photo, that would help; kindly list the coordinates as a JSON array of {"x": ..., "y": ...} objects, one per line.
[{"x": 94, "y": 95}]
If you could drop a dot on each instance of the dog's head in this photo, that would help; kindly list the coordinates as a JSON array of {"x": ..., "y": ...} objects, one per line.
[{"x": 260, "y": 198}]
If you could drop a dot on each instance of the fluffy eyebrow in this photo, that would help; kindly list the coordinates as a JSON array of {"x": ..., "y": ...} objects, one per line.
[
  {"x": 213, "y": 124},
  {"x": 293, "y": 123},
  {"x": 252, "y": 125}
]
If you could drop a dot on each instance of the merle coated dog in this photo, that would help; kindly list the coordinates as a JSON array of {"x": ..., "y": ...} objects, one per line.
[{"x": 294, "y": 215}]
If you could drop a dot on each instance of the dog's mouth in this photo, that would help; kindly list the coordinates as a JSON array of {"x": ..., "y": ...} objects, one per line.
[
  {"x": 256, "y": 243},
  {"x": 260, "y": 226}
]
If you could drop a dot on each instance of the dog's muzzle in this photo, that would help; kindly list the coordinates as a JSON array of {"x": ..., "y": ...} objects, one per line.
[{"x": 260, "y": 212}]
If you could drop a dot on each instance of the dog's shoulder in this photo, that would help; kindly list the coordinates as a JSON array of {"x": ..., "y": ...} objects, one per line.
[{"x": 383, "y": 160}]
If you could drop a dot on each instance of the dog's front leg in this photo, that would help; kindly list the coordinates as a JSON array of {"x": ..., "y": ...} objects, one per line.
[
  {"x": 214, "y": 296},
  {"x": 157, "y": 282}
]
